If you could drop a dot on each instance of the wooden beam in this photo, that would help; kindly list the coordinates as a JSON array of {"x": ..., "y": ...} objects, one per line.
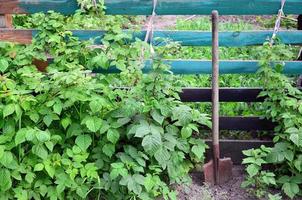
[
  {"x": 164, "y": 7},
  {"x": 225, "y": 95},
  {"x": 185, "y": 38},
  {"x": 233, "y": 148},
  {"x": 245, "y": 124},
  {"x": 17, "y": 36}
]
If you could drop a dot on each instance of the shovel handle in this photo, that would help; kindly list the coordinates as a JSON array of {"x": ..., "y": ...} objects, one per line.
[{"x": 215, "y": 94}]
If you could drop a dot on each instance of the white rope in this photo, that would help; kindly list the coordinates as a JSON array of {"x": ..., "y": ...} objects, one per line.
[
  {"x": 149, "y": 31},
  {"x": 278, "y": 22}
]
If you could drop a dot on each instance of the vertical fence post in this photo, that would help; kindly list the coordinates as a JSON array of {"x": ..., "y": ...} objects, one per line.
[
  {"x": 215, "y": 95},
  {"x": 6, "y": 21}
]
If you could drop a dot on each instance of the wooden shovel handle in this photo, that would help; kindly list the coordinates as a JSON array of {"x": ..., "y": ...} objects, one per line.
[{"x": 215, "y": 94}]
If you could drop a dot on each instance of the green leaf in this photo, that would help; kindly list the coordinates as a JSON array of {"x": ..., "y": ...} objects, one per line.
[
  {"x": 40, "y": 151},
  {"x": 157, "y": 116},
  {"x": 49, "y": 169},
  {"x": 2, "y": 148},
  {"x": 162, "y": 155},
  {"x": 252, "y": 170},
  {"x": 21, "y": 136},
  {"x": 186, "y": 132},
  {"x": 83, "y": 141},
  {"x": 108, "y": 149},
  {"x": 3, "y": 64},
  {"x": 57, "y": 108},
  {"x": 142, "y": 130},
  {"x": 199, "y": 151},
  {"x": 29, "y": 177},
  {"x": 290, "y": 189},
  {"x": 42, "y": 136},
  {"x": 66, "y": 122},
  {"x": 38, "y": 167},
  {"x": 151, "y": 142},
  {"x": 6, "y": 182},
  {"x": 47, "y": 120},
  {"x": 113, "y": 135},
  {"x": 34, "y": 117},
  {"x": 8, "y": 110},
  {"x": 6, "y": 159},
  {"x": 149, "y": 183},
  {"x": 294, "y": 138},
  {"x": 93, "y": 123}
]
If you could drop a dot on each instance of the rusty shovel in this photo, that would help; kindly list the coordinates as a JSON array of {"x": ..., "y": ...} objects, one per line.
[{"x": 216, "y": 171}]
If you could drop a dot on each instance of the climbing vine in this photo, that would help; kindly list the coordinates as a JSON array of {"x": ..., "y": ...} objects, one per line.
[{"x": 66, "y": 134}]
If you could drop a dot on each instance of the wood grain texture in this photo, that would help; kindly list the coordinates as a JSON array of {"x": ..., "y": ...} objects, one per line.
[
  {"x": 164, "y": 7},
  {"x": 11, "y": 7},
  {"x": 233, "y": 148},
  {"x": 205, "y": 67},
  {"x": 16, "y": 36},
  {"x": 225, "y": 95},
  {"x": 189, "y": 38}
]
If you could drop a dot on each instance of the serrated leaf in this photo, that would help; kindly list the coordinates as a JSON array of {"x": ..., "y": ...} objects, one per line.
[
  {"x": 186, "y": 132},
  {"x": 38, "y": 167},
  {"x": 290, "y": 189},
  {"x": 157, "y": 116},
  {"x": 57, "y": 108},
  {"x": 142, "y": 130},
  {"x": 40, "y": 151},
  {"x": 83, "y": 141},
  {"x": 162, "y": 156},
  {"x": 66, "y": 122},
  {"x": 6, "y": 159},
  {"x": 252, "y": 170},
  {"x": 93, "y": 123},
  {"x": 108, "y": 149},
  {"x": 8, "y": 110},
  {"x": 2, "y": 148},
  {"x": 113, "y": 135},
  {"x": 6, "y": 182},
  {"x": 29, "y": 177},
  {"x": 3, "y": 64},
  {"x": 34, "y": 117},
  {"x": 47, "y": 119},
  {"x": 42, "y": 136},
  {"x": 21, "y": 136},
  {"x": 151, "y": 142},
  {"x": 199, "y": 151},
  {"x": 294, "y": 138}
]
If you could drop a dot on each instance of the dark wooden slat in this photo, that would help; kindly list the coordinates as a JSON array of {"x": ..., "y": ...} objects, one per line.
[
  {"x": 225, "y": 95},
  {"x": 234, "y": 148},
  {"x": 245, "y": 124}
]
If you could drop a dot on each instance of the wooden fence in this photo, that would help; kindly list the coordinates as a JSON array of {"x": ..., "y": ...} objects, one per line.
[{"x": 230, "y": 148}]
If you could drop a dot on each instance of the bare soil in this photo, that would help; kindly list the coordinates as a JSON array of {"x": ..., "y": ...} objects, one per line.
[{"x": 229, "y": 191}]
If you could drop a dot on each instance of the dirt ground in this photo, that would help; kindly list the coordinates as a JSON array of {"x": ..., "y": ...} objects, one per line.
[{"x": 229, "y": 191}]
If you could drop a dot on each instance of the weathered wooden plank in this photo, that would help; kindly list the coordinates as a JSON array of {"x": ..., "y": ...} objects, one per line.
[
  {"x": 245, "y": 124},
  {"x": 204, "y": 67},
  {"x": 233, "y": 148},
  {"x": 225, "y": 95},
  {"x": 17, "y": 36},
  {"x": 185, "y": 38},
  {"x": 164, "y": 7}
]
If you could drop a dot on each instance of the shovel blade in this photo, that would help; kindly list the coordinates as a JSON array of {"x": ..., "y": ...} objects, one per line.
[{"x": 224, "y": 173}]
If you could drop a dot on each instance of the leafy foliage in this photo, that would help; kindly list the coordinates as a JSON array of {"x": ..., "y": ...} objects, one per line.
[
  {"x": 283, "y": 106},
  {"x": 68, "y": 135}
]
